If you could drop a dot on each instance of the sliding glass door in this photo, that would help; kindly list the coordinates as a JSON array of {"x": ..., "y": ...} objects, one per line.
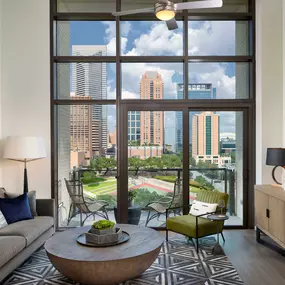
[{"x": 163, "y": 146}]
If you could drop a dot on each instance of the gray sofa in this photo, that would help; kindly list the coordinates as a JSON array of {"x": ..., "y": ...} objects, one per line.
[{"x": 19, "y": 240}]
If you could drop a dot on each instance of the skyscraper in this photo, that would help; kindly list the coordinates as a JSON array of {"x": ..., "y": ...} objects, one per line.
[
  {"x": 80, "y": 125},
  {"x": 206, "y": 137},
  {"x": 195, "y": 91},
  {"x": 90, "y": 79},
  {"x": 151, "y": 122},
  {"x": 134, "y": 127}
]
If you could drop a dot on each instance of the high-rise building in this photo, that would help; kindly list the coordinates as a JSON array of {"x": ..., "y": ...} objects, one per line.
[
  {"x": 134, "y": 127},
  {"x": 112, "y": 138},
  {"x": 151, "y": 122},
  {"x": 90, "y": 80},
  {"x": 206, "y": 137},
  {"x": 80, "y": 125},
  {"x": 195, "y": 91}
]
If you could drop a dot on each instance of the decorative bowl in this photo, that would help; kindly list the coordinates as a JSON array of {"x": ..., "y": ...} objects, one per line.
[{"x": 104, "y": 238}]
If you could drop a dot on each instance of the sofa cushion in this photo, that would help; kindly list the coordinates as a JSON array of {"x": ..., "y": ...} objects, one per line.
[
  {"x": 3, "y": 222},
  {"x": 31, "y": 198},
  {"x": 10, "y": 246},
  {"x": 29, "y": 229},
  {"x": 186, "y": 225},
  {"x": 15, "y": 210},
  {"x": 202, "y": 208}
]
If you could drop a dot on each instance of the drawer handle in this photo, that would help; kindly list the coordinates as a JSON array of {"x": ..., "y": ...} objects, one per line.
[{"x": 267, "y": 213}]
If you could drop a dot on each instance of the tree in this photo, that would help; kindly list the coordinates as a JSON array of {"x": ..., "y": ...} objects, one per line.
[
  {"x": 102, "y": 163},
  {"x": 144, "y": 197},
  {"x": 171, "y": 161},
  {"x": 204, "y": 183}
]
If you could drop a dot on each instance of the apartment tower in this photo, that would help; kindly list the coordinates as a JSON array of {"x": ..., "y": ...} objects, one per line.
[
  {"x": 206, "y": 137},
  {"x": 90, "y": 80},
  {"x": 151, "y": 122}
]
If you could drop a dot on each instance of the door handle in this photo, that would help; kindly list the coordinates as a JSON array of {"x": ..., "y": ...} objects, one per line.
[{"x": 267, "y": 213}]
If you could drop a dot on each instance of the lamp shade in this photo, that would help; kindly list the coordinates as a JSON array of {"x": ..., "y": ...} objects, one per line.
[
  {"x": 24, "y": 148},
  {"x": 275, "y": 156}
]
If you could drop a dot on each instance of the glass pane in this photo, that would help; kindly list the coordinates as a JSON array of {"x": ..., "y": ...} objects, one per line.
[
  {"x": 86, "y": 38},
  {"x": 216, "y": 158},
  {"x": 86, "y": 6},
  {"x": 150, "y": 38},
  {"x": 151, "y": 80},
  {"x": 227, "y": 80},
  {"x": 208, "y": 38},
  {"x": 86, "y": 159},
  {"x": 83, "y": 80},
  {"x": 155, "y": 166}
]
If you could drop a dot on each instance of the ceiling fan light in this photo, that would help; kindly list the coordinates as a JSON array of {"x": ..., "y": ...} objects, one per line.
[{"x": 165, "y": 15}]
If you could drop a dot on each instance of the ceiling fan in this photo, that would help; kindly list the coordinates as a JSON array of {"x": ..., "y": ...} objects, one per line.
[{"x": 165, "y": 10}]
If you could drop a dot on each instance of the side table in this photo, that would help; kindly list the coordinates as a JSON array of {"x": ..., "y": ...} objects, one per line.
[{"x": 217, "y": 249}]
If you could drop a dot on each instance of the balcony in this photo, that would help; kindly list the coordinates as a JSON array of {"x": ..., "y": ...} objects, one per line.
[{"x": 152, "y": 185}]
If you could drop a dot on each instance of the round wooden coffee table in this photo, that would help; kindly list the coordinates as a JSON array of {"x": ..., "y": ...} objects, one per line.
[{"x": 108, "y": 265}]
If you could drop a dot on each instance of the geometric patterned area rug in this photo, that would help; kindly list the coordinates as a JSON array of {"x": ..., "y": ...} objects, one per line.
[{"x": 177, "y": 264}]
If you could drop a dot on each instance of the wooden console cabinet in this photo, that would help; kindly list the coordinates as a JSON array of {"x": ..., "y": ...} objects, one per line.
[{"x": 270, "y": 212}]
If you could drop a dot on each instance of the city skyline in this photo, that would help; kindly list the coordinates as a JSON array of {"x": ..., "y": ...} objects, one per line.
[
  {"x": 90, "y": 80},
  {"x": 152, "y": 38}
]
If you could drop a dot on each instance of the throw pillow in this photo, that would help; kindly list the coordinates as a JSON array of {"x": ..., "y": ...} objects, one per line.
[
  {"x": 2, "y": 192},
  {"x": 31, "y": 198},
  {"x": 17, "y": 209},
  {"x": 3, "y": 222},
  {"x": 200, "y": 208}
]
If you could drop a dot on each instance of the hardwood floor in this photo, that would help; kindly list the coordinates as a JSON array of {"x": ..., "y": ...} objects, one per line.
[{"x": 255, "y": 263}]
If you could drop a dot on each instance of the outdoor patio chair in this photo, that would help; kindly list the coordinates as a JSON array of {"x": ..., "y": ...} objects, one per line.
[
  {"x": 83, "y": 205},
  {"x": 160, "y": 207},
  {"x": 199, "y": 226}
]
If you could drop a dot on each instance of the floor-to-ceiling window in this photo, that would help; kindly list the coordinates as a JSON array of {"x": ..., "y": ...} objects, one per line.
[{"x": 143, "y": 118}]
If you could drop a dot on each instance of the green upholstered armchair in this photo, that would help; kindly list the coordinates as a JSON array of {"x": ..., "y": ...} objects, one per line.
[{"x": 198, "y": 226}]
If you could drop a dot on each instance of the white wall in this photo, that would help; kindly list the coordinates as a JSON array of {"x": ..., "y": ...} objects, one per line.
[
  {"x": 270, "y": 89},
  {"x": 26, "y": 87}
]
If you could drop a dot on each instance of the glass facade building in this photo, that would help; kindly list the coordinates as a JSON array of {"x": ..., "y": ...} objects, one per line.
[{"x": 195, "y": 91}]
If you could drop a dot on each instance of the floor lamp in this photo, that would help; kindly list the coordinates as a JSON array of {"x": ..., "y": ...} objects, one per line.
[{"x": 24, "y": 149}]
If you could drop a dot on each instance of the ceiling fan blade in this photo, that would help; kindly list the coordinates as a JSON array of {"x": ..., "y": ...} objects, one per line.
[
  {"x": 199, "y": 4},
  {"x": 136, "y": 11},
  {"x": 172, "y": 24}
]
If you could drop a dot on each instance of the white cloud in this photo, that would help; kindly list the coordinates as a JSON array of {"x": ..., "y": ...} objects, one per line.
[
  {"x": 205, "y": 38},
  {"x": 158, "y": 41},
  {"x": 211, "y": 38},
  {"x": 214, "y": 73},
  {"x": 111, "y": 47},
  {"x": 125, "y": 94},
  {"x": 110, "y": 30}
]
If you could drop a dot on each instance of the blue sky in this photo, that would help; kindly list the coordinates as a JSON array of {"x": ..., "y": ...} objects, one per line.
[{"x": 153, "y": 38}]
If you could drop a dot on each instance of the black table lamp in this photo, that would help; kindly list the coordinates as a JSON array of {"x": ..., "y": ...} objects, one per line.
[{"x": 275, "y": 157}]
